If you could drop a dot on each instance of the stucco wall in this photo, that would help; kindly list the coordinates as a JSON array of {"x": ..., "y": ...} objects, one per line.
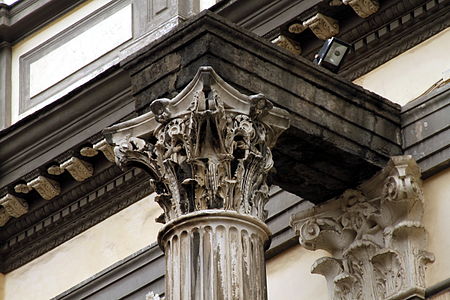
[
  {"x": 2, "y": 288},
  {"x": 85, "y": 255},
  {"x": 289, "y": 275},
  {"x": 437, "y": 223},
  {"x": 37, "y": 39},
  {"x": 408, "y": 75}
]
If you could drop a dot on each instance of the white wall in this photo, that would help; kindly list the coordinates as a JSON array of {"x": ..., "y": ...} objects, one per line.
[
  {"x": 289, "y": 275},
  {"x": 37, "y": 39},
  {"x": 86, "y": 254},
  {"x": 408, "y": 75},
  {"x": 437, "y": 222}
]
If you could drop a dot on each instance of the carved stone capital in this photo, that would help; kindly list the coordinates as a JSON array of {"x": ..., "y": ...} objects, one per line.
[
  {"x": 14, "y": 206},
  {"x": 322, "y": 26},
  {"x": 207, "y": 148},
  {"x": 363, "y": 8},
  {"x": 374, "y": 234},
  {"x": 208, "y": 151}
]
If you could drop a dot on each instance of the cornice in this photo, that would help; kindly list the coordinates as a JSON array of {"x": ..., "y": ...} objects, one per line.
[
  {"x": 81, "y": 208},
  {"x": 394, "y": 28},
  {"x": 27, "y": 16},
  {"x": 381, "y": 44}
]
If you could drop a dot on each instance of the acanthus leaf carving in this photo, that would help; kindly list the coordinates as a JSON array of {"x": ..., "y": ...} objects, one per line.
[
  {"x": 207, "y": 148},
  {"x": 375, "y": 232}
]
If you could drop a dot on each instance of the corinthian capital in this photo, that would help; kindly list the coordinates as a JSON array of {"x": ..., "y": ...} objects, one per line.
[
  {"x": 207, "y": 148},
  {"x": 374, "y": 235}
]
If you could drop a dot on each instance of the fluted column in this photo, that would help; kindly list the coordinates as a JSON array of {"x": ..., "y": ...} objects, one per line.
[
  {"x": 208, "y": 151},
  {"x": 215, "y": 255}
]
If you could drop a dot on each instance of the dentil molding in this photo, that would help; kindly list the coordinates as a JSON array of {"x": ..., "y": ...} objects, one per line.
[{"x": 374, "y": 234}]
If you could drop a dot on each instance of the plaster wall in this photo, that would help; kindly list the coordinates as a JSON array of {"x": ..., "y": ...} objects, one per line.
[
  {"x": 289, "y": 275},
  {"x": 86, "y": 254},
  {"x": 80, "y": 50},
  {"x": 437, "y": 222},
  {"x": 413, "y": 72},
  {"x": 2, "y": 286},
  {"x": 40, "y": 37}
]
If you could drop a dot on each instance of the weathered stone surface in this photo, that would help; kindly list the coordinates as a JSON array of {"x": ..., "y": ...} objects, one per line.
[
  {"x": 208, "y": 151},
  {"x": 374, "y": 234},
  {"x": 215, "y": 255},
  {"x": 207, "y": 148},
  {"x": 324, "y": 27},
  {"x": 46, "y": 187},
  {"x": 342, "y": 124},
  {"x": 364, "y": 8},
  {"x": 14, "y": 206}
]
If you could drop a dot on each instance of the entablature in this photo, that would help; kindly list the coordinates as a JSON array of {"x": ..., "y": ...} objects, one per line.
[{"x": 340, "y": 134}]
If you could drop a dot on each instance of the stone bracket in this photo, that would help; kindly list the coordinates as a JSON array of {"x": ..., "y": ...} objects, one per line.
[
  {"x": 11, "y": 206},
  {"x": 322, "y": 26},
  {"x": 364, "y": 8}
]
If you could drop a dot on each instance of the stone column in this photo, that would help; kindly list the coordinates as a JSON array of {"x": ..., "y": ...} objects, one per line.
[
  {"x": 208, "y": 150},
  {"x": 375, "y": 237}
]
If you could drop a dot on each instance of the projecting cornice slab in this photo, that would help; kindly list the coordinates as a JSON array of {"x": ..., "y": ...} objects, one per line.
[{"x": 340, "y": 133}]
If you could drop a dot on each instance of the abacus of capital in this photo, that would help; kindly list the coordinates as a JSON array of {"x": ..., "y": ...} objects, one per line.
[{"x": 208, "y": 151}]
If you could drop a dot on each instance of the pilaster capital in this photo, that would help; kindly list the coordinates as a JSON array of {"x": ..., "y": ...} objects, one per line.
[
  {"x": 207, "y": 148},
  {"x": 374, "y": 235}
]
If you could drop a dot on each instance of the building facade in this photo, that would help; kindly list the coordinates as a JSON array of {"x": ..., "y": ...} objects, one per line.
[{"x": 193, "y": 150}]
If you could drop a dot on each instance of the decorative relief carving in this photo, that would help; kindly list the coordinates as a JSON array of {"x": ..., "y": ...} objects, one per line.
[
  {"x": 374, "y": 234},
  {"x": 102, "y": 146},
  {"x": 55, "y": 170},
  {"x": 288, "y": 44},
  {"x": 4, "y": 216},
  {"x": 106, "y": 149},
  {"x": 22, "y": 188},
  {"x": 322, "y": 26},
  {"x": 207, "y": 148},
  {"x": 79, "y": 169},
  {"x": 363, "y": 8},
  {"x": 297, "y": 28},
  {"x": 208, "y": 152},
  {"x": 88, "y": 151},
  {"x": 14, "y": 206},
  {"x": 47, "y": 188}
]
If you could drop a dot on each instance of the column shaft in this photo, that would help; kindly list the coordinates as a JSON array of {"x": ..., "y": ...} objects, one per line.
[{"x": 215, "y": 255}]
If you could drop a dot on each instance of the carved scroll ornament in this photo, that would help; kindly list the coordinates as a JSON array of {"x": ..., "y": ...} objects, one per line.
[
  {"x": 364, "y": 8},
  {"x": 322, "y": 26},
  {"x": 374, "y": 235},
  {"x": 207, "y": 148}
]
